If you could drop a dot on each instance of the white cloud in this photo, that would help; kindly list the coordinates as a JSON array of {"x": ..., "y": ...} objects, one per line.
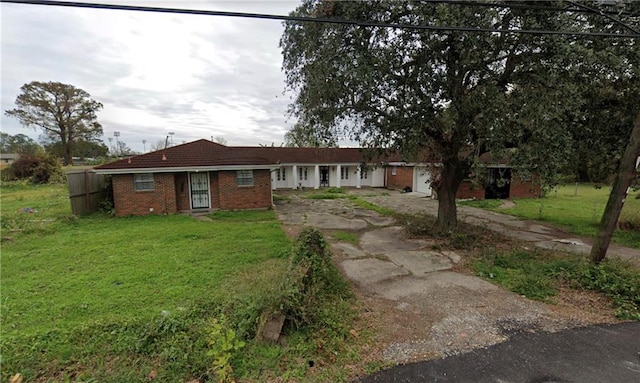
[{"x": 198, "y": 76}]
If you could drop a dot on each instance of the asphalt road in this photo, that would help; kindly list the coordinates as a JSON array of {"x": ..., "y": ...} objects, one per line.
[{"x": 606, "y": 353}]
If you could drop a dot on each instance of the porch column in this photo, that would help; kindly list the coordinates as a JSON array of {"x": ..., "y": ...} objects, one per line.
[
  {"x": 338, "y": 175},
  {"x": 316, "y": 177},
  {"x": 358, "y": 174},
  {"x": 295, "y": 176}
]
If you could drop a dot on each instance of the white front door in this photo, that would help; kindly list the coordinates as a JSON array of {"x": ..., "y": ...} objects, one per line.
[{"x": 199, "y": 185}]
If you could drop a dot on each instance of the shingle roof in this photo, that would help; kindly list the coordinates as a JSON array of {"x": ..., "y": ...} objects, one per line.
[
  {"x": 205, "y": 153},
  {"x": 200, "y": 153}
]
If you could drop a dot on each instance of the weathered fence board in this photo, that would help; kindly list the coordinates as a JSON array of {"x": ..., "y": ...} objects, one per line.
[{"x": 85, "y": 190}]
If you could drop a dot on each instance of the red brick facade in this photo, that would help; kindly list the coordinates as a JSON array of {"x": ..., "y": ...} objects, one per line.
[
  {"x": 233, "y": 196},
  {"x": 403, "y": 177},
  {"x": 517, "y": 189},
  {"x": 128, "y": 201},
  {"x": 171, "y": 193}
]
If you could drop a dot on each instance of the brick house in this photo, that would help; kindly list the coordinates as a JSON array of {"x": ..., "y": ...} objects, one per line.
[
  {"x": 204, "y": 176},
  {"x": 199, "y": 175}
]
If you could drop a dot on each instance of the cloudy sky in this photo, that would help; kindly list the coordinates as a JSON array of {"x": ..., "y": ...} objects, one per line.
[{"x": 196, "y": 76}]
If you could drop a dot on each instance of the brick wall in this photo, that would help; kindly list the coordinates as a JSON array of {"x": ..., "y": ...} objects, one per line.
[
  {"x": 524, "y": 189},
  {"x": 183, "y": 202},
  {"x": 469, "y": 190},
  {"x": 215, "y": 192},
  {"x": 161, "y": 200},
  {"x": 233, "y": 196},
  {"x": 402, "y": 179},
  {"x": 517, "y": 189}
]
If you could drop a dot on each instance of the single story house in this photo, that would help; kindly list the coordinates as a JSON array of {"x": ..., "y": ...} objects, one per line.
[{"x": 203, "y": 175}]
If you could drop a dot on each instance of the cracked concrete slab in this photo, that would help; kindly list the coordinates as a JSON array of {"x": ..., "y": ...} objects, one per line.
[
  {"x": 419, "y": 263},
  {"x": 392, "y": 238},
  {"x": 349, "y": 250},
  {"x": 380, "y": 221},
  {"x": 370, "y": 271},
  {"x": 330, "y": 221}
]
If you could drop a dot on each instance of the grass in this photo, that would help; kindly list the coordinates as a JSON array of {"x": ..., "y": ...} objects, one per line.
[
  {"x": 538, "y": 275},
  {"x": 578, "y": 214},
  {"x": 345, "y": 236},
  {"x": 113, "y": 299}
]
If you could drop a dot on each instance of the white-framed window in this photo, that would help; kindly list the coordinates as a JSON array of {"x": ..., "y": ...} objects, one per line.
[
  {"x": 245, "y": 177},
  {"x": 302, "y": 174},
  {"x": 143, "y": 182},
  {"x": 364, "y": 173},
  {"x": 282, "y": 174},
  {"x": 344, "y": 173},
  {"x": 394, "y": 170}
]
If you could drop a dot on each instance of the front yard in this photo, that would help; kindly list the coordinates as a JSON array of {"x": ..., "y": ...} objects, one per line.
[{"x": 111, "y": 300}]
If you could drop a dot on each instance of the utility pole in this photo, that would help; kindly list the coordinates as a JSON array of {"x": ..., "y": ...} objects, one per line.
[
  {"x": 116, "y": 135},
  {"x": 626, "y": 174},
  {"x": 144, "y": 146}
]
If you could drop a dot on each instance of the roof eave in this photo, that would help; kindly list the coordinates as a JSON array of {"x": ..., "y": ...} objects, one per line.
[{"x": 178, "y": 169}]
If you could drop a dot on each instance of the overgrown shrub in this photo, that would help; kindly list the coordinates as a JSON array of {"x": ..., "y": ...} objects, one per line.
[
  {"x": 38, "y": 168},
  {"x": 311, "y": 281}
]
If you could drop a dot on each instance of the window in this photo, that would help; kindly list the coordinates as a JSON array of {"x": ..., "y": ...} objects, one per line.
[
  {"x": 302, "y": 174},
  {"x": 344, "y": 173},
  {"x": 245, "y": 177},
  {"x": 282, "y": 174},
  {"x": 142, "y": 182},
  {"x": 364, "y": 173},
  {"x": 394, "y": 170}
]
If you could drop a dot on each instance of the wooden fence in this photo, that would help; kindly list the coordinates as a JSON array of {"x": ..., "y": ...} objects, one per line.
[{"x": 85, "y": 191}]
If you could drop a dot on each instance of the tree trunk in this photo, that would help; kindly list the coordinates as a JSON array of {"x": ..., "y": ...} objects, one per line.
[
  {"x": 67, "y": 158},
  {"x": 626, "y": 174},
  {"x": 450, "y": 179}
]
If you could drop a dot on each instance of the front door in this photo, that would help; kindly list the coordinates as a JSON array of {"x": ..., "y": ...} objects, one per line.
[
  {"x": 199, "y": 183},
  {"x": 324, "y": 176}
]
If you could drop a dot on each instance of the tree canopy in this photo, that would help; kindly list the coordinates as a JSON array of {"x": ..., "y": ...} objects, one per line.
[
  {"x": 65, "y": 114},
  {"x": 19, "y": 143},
  {"x": 452, "y": 94}
]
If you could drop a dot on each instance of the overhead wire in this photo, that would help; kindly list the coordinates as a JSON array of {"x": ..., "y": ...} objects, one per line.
[{"x": 74, "y": 4}]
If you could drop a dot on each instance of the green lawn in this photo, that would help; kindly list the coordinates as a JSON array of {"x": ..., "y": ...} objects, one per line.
[
  {"x": 112, "y": 299},
  {"x": 578, "y": 213}
]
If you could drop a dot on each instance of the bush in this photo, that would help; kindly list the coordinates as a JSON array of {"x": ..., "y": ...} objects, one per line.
[
  {"x": 311, "y": 281},
  {"x": 37, "y": 168}
]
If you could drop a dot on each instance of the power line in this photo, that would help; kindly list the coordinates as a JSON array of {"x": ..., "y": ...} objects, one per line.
[{"x": 315, "y": 19}]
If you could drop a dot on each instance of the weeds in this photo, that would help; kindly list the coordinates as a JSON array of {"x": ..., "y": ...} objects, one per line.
[
  {"x": 345, "y": 236},
  {"x": 537, "y": 275}
]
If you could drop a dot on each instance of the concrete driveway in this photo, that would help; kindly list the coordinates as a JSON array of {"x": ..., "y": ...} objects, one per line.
[
  {"x": 427, "y": 308},
  {"x": 535, "y": 233}
]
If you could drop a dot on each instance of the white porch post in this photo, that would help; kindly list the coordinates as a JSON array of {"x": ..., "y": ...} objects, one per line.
[
  {"x": 338, "y": 172},
  {"x": 273, "y": 180},
  {"x": 358, "y": 174},
  {"x": 295, "y": 176},
  {"x": 316, "y": 177}
]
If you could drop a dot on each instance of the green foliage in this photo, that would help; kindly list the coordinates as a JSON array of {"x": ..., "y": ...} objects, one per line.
[
  {"x": 39, "y": 168},
  {"x": 19, "y": 143},
  {"x": 450, "y": 97},
  {"x": 371, "y": 206},
  {"x": 112, "y": 300},
  {"x": 345, "y": 236},
  {"x": 224, "y": 345},
  {"x": 576, "y": 210},
  {"x": 536, "y": 275},
  {"x": 65, "y": 114},
  {"x": 311, "y": 279}
]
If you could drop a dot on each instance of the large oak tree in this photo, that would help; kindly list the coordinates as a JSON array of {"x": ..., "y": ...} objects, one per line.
[
  {"x": 450, "y": 93},
  {"x": 65, "y": 114}
]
